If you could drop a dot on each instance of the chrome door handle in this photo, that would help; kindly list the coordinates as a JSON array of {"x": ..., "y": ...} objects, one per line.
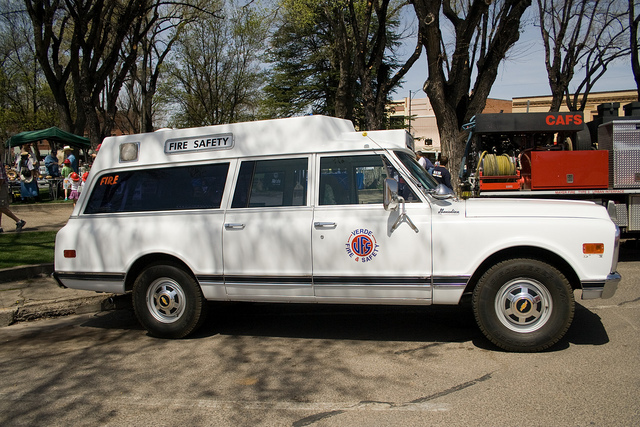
[
  {"x": 233, "y": 226},
  {"x": 324, "y": 224}
]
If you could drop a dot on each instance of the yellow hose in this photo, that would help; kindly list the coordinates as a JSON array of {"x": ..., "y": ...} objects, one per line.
[{"x": 493, "y": 165}]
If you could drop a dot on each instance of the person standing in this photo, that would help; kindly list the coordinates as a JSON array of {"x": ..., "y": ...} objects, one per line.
[
  {"x": 424, "y": 161},
  {"x": 68, "y": 151},
  {"x": 4, "y": 201},
  {"x": 75, "y": 187},
  {"x": 28, "y": 178},
  {"x": 51, "y": 162},
  {"x": 65, "y": 172},
  {"x": 441, "y": 173}
]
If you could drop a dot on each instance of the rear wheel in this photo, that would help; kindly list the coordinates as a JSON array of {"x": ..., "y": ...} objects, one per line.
[
  {"x": 168, "y": 301},
  {"x": 523, "y": 305}
]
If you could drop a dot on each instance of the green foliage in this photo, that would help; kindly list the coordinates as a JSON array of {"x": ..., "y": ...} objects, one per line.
[
  {"x": 26, "y": 248},
  {"x": 303, "y": 78},
  {"x": 325, "y": 55}
]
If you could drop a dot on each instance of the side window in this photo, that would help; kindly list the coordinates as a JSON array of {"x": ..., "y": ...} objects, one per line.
[
  {"x": 349, "y": 180},
  {"x": 271, "y": 183},
  {"x": 185, "y": 187}
]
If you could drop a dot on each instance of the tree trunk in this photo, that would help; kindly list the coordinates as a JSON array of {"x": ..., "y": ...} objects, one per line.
[{"x": 450, "y": 94}]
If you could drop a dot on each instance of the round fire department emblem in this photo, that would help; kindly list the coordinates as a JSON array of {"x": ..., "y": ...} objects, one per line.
[{"x": 362, "y": 245}]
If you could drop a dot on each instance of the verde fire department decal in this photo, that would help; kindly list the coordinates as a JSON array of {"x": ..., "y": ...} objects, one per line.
[{"x": 362, "y": 245}]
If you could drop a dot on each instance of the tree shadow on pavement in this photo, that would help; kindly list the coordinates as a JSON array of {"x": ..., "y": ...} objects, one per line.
[{"x": 432, "y": 324}]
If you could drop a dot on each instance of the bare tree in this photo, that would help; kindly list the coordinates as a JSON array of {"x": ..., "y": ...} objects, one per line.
[
  {"x": 25, "y": 101},
  {"x": 580, "y": 36},
  {"x": 92, "y": 46},
  {"x": 215, "y": 75},
  {"x": 139, "y": 106},
  {"x": 483, "y": 32},
  {"x": 374, "y": 63}
]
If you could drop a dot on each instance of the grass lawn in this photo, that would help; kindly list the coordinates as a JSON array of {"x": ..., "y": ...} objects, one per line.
[{"x": 26, "y": 248}]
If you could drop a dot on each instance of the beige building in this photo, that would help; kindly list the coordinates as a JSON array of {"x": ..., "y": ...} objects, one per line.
[
  {"x": 417, "y": 116},
  {"x": 535, "y": 104}
]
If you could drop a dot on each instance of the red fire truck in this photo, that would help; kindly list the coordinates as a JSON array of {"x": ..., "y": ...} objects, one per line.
[{"x": 558, "y": 155}]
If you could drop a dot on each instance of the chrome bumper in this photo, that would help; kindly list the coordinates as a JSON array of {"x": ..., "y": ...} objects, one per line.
[{"x": 604, "y": 290}]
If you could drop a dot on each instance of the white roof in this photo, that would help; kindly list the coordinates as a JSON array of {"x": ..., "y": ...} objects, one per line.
[{"x": 296, "y": 135}]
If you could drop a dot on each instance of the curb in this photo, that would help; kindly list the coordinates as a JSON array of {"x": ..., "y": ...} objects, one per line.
[
  {"x": 58, "y": 307},
  {"x": 25, "y": 272},
  {"x": 51, "y": 309}
]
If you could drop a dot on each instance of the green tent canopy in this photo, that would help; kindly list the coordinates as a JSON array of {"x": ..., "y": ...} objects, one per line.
[{"x": 51, "y": 134}]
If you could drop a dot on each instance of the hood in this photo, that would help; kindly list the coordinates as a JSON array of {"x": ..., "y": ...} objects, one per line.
[{"x": 534, "y": 208}]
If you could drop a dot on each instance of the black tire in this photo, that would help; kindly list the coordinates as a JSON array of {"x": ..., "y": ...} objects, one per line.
[
  {"x": 523, "y": 305},
  {"x": 168, "y": 301}
]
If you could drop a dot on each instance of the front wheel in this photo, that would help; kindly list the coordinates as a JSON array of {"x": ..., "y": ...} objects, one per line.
[
  {"x": 168, "y": 301},
  {"x": 523, "y": 305}
]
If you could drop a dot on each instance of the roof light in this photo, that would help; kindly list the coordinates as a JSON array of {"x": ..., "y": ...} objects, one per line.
[{"x": 129, "y": 151}]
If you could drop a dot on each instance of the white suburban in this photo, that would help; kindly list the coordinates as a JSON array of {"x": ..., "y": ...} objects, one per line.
[{"x": 308, "y": 210}]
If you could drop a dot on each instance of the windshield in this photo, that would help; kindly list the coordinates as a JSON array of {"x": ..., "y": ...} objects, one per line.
[{"x": 418, "y": 172}]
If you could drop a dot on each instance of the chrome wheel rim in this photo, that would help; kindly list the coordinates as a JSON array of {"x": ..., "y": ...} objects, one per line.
[
  {"x": 523, "y": 305},
  {"x": 166, "y": 300}
]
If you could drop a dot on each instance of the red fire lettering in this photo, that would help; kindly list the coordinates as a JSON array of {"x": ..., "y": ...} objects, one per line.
[{"x": 109, "y": 180}]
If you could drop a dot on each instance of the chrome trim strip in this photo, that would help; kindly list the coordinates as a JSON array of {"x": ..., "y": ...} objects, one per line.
[
  {"x": 451, "y": 280},
  {"x": 108, "y": 277},
  {"x": 111, "y": 283},
  {"x": 371, "y": 281},
  {"x": 267, "y": 280}
]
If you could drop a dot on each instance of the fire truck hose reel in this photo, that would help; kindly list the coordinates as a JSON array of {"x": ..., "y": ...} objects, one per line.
[{"x": 493, "y": 165}]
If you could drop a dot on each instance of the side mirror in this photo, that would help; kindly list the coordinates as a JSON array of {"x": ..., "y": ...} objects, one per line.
[
  {"x": 442, "y": 192},
  {"x": 391, "y": 199}
]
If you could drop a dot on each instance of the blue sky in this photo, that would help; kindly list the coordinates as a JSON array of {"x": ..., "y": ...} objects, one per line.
[{"x": 523, "y": 73}]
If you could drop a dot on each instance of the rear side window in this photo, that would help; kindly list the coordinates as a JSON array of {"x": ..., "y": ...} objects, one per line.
[
  {"x": 175, "y": 188},
  {"x": 271, "y": 183},
  {"x": 350, "y": 180}
]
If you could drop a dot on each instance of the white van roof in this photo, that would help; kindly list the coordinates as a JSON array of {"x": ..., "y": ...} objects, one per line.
[{"x": 308, "y": 134}]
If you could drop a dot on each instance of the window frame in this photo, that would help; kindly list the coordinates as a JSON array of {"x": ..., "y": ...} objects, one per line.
[
  {"x": 255, "y": 160},
  {"x": 189, "y": 168},
  {"x": 348, "y": 154}
]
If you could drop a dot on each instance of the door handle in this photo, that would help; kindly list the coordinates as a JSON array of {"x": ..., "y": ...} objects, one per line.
[
  {"x": 234, "y": 226},
  {"x": 324, "y": 224}
]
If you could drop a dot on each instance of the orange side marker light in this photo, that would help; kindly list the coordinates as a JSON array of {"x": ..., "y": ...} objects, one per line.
[{"x": 593, "y": 248}]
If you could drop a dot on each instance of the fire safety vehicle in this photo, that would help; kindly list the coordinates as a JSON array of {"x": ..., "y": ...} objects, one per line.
[
  {"x": 308, "y": 210},
  {"x": 558, "y": 155}
]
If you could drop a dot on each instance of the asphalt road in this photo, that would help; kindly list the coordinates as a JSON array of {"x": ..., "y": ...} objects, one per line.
[{"x": 299, "y": 365}]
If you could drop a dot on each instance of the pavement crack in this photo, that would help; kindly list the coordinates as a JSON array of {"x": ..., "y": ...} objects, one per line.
[
  {"x": 316, "y": 417},
  {"x": 411, "y": 350},
  {"x": 453, "y": 389},
  {"x": 380, "y": 405},
  {"x": 628, "y": 302}
]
